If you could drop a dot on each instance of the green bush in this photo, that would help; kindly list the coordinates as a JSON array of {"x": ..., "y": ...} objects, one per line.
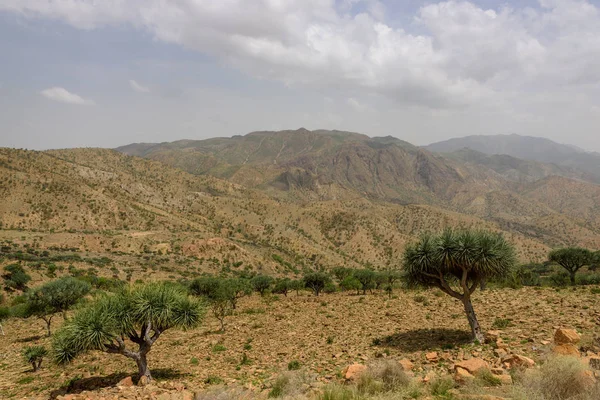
[
  {"x": 261, "y": 283},
  {"x": 293, "y": 365},
  {"x": 316, "y": 281},
  {"x": 55, "y": 297},
  {"x": 15, "y": 277},
  {"x": 34, "y": 355}
]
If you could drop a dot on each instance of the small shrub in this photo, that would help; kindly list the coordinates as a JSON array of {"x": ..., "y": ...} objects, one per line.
[
  {"x": 441, "y": 385},
  {"x": 194, "y": 361},
  {"x": 559, "y": 378},
  {"x": 213, "y": 380},
  {"x": 486, "y": 378},
  {"x": 218, "y": 348},
  {"x": 501, "y": 323},
  {"x": 338, "y": 392},
  {"x": 419, "y": 298},
  {"x": 293, "y": 365},
  {"x": 34, "y": 355}
]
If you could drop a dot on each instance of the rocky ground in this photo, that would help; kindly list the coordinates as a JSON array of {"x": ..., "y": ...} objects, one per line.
[{"x": 425, "y": 331}]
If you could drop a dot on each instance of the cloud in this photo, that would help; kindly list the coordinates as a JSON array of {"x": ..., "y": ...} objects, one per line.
[
  {"x": 454, "y": 55},
  {"x": 138, "y": 87},
  {"x": 64, "y": 96}
]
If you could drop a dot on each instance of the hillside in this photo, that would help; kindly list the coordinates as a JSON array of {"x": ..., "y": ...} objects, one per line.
[
  {"x": 526, "y": 148},
  {"x": 307, "y": 165},
  {"x": 139, "y": 212}
]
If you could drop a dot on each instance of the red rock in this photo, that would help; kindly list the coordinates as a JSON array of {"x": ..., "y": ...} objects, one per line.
[
  {"x": 472, "y": 365},
  {"x": 406, "y": 364},
  {"x": 518, "y": 360},
  {"x": 432, "y": 357},
  {"x": 566, "y": 350},
  {"x": 462, "y": 375},
  {"x": 566, "y": 336},
  {"x": 126, "y": 382},
  {"x": 354, "y": 371}
]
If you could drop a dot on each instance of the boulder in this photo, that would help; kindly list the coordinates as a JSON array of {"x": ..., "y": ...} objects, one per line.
[
  {"x": 516, "y": 360},
  {"x": 461, "y": 375},
  {"x": 566, "y": 336},
  {"x": 473, "y": 365},
  {"x": 354, "y": 371},
  {"x": 125, "y": 382},
  {"x": 406, "y": 364},
  {"x": 432, "y": 357},
  {"x": 566, "y": 350}
]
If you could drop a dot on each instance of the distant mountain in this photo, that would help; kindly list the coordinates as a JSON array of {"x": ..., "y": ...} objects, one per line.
[
  {"x": 527, "y": 148},
  {"x": 305, "y": 167}
]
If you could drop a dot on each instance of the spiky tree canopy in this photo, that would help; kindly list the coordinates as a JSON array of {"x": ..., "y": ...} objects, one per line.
[
  {"x": 457, "y": 256},
  {"x": 140, "y": 313}
]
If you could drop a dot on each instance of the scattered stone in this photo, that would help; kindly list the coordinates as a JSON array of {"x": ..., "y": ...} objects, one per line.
[
  {"x": 125, "y": 382},
  {"x": 566, "y": 336},
  {"x": 566, "y": 350},
  {"x": 472, "y": 365},
  {"x": 406, "y": 364},
  {"x": 432, "y": 357},
  {"x": 492, "y": 336},
  {"x": 461, "y": 375},
  {"x": 353, "y": 372},
  {"x": 518, "y": 360},
  {"x": 143, "y": 381},
  {"x": 501, "y": 353}
]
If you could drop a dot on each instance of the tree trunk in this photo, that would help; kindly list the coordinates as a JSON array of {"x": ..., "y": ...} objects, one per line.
[
  {"x": 143, "y": 369},
  {"x": 475, "y": 328},
  {"x": 572, "y": 276},
  {"x": 48, "y": 323}
]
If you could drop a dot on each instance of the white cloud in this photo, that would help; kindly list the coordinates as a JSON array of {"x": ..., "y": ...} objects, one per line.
[
  {"x": 64, "y": 96},
  {"x": 138, "y": 87},
  {"x": 462, "y": 54}
]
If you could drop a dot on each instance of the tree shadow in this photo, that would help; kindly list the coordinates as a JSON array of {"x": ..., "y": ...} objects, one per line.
[
  {"x": 78, "y": 385},
  {"x": 425, "y": 339},
  {"x": 29, "y": 339}
]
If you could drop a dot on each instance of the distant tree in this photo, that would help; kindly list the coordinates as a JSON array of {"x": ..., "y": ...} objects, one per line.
[
  {"x": 261, "y": 283},
  {"x": 380, "y": 280},
  {"x": 238, "y": 288},
  {"x": 205, "y": 286},
  {"x": 15, "y": 277},
  {"x": 297, "y": 285},
  {"x": 282, "y": 286},
  {"x": 139, "y": 313},
  {"x": 571, "y": 259},
  {"x": 456, "y": 262},
  {"x": 391, "y": 277},
  {"x": 316, "y": 281},
  {"x": 34, "y": 355},
  {"x": 366, "y": 277},
  {"x": 342, "y": 273},
  {"x": 351, "y": 283},
  {"x": 55, "y": 297}
]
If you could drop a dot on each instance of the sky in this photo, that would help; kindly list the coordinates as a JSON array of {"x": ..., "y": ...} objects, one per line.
[{"x": 105, "y": 73}]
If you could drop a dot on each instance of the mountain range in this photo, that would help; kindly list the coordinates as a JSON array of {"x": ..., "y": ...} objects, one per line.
[{"x": 282, "y": 201}]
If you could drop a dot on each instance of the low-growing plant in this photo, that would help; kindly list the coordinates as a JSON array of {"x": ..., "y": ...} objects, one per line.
[{"x": 34, "y": 355}]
